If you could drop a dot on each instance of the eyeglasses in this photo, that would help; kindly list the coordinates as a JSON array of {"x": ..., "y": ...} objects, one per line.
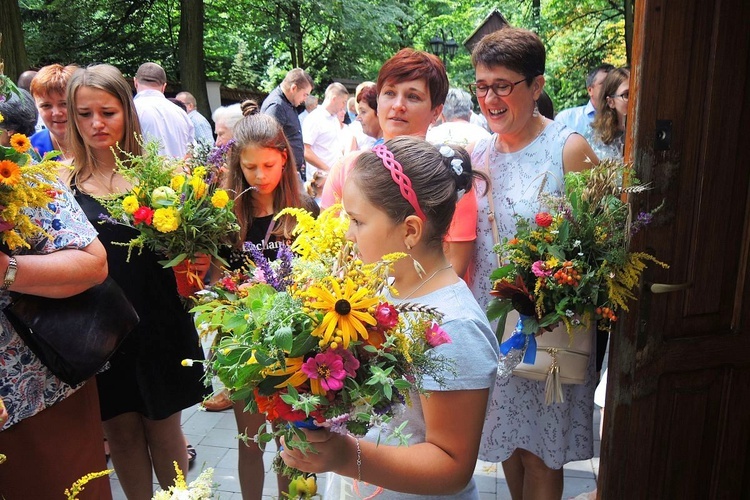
[
  {"x": 624, "y": 96},
  {"x": 503, "y": 88}
]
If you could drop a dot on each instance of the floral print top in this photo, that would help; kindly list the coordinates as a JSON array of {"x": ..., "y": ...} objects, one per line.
[{"x": 26, "y": 385}]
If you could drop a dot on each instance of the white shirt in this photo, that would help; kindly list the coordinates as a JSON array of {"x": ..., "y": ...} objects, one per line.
[
  {"x": 165, "y": 122},
  {"x": 458, "y": 133},
  {"x": 322, "y": 131}
]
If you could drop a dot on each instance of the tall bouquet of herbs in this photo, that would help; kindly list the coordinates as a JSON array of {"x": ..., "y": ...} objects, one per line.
[
  {"x": 572, "y": 261},
  {"x": 312, "y": 338}
]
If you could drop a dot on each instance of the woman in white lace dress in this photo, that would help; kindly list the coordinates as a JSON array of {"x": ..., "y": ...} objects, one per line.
[{"x": 526, "y": 153}]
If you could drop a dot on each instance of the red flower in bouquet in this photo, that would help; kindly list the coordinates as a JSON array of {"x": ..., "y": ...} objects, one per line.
[
  {"x": 386, "y": 315},
  {"x": 275, "y": 408},
  {"x": 543, "y": 219},
  {"x": 143, "y": 214}
]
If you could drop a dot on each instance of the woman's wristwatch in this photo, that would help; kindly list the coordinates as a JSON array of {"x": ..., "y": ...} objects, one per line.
[{"x": 10, "y": 274}]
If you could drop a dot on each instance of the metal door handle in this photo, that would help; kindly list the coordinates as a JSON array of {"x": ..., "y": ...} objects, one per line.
[{"x": 667, "y": 288}]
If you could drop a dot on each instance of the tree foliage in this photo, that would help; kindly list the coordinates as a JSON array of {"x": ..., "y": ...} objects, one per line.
[{"x": 253, "y": 43}]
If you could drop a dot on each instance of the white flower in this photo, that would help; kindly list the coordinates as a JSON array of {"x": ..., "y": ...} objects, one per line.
[
  {"x": 569, "y": 313},
  {"x": 447, "y": 151},
  {"x": 577, "y": 243},
  {"x": 458, "y": 166}
]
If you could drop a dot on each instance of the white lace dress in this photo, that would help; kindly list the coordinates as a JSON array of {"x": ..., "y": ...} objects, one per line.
[{"x": 517, "y": 416}]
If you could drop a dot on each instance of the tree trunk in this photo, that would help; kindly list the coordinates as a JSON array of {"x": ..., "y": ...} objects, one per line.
[
  {"x": 536, "y": 13},
  {"x": 628, "y": 9},
  {"x": 295, "y": 28},
  {"x": 12, "y": 47},
  {"x": 192, "y": 58}
]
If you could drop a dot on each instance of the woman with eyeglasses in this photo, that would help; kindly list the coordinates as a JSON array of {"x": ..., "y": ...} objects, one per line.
[
  {"x": 608, "y": 128},
  {"x": 526, "y": 155}
]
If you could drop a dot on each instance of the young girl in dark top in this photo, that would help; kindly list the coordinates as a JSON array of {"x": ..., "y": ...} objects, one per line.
[{"x": 263, "y": 176}]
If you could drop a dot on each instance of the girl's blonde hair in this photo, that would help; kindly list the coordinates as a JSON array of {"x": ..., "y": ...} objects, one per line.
[{"x": 109, "y": 79}]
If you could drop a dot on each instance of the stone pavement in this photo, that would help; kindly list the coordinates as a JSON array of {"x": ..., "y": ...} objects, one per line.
[{"x": 214, "y": 436}]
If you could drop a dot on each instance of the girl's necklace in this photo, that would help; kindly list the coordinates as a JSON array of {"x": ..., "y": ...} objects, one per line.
[{"x": 428, "y": 279}]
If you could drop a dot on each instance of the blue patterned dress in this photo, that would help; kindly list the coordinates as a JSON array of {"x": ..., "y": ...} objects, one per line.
[
  {"x": 26, "y": 385},
  {"x": 517, "y": 416}
]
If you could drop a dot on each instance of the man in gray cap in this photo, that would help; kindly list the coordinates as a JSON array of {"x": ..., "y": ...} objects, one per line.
[{"x": 161, "y": 120}]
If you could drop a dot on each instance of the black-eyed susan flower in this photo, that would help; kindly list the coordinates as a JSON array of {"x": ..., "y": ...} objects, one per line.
[
  {"x": 293, "y": 368},
  {"x": 347, "y": 310},
  {"x": 20, "y": 143}
]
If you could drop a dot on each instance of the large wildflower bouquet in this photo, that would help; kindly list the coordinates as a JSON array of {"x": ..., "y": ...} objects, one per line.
[
  {"x": 24, "y": 183},
  {"x": 572, "y": 261},
  {"x": 312, "y": 337},
  {"x": 177, "y": 207}
]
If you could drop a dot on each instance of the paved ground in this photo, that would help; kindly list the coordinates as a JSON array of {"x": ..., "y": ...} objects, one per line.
[{"x": 214, "y": 437}]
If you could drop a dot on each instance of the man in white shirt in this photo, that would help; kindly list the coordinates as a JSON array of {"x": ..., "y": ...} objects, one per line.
[
  {"x": 161, "y": 120},
  {"x": 580, "y": 117},
  {"x": 203, "y": 132},
  {"x": 456, "y": 127},
  {"x": 321, "y": 131}
]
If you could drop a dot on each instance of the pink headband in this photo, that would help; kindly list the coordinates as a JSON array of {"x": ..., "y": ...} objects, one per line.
[{"x": 399, "y": 177}]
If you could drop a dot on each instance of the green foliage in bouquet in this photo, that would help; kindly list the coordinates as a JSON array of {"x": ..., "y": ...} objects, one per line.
[
  {"x": 177, "y": 207},
  {"x": 332, "y": 350},
  {"x": 573, "y": 259}
]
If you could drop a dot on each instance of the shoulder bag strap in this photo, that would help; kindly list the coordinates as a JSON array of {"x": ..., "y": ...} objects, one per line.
[{"x": 491, "y": 201}]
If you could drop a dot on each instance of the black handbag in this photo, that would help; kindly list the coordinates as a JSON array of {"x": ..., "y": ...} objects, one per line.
[{"x": 74, "y": 336}]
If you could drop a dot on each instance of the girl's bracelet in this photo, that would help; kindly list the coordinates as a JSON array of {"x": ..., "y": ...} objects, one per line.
[{"x": 359, "y": 459}]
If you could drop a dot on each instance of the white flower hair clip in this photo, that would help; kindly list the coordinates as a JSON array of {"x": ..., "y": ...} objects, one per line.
[
  {"x": 458, "y": 166},
  {"x": 447, "y": 151}
]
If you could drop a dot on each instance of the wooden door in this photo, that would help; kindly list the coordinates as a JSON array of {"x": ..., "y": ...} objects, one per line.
[{"x": 677, "y": 424}]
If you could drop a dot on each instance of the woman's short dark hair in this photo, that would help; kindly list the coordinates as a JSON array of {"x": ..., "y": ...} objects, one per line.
[
  {"x": 517, "y": 49},
  {"x": 369, "y": 94},
  {"x": 434, "y": 179},
  {"x": 19, "y": 113}
]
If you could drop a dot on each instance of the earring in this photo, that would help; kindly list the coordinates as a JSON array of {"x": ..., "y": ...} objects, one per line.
[
  {"x": 535, "y": 114},
  {"x": 418, "y": 268},
  {"x": 408, "y": 246}
]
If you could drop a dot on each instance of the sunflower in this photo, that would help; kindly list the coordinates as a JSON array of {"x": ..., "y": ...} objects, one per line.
[
  {"x": 346, "y": 310},
  {"x": 20, "y": 143},
  {"x": 10, "y": 172}
]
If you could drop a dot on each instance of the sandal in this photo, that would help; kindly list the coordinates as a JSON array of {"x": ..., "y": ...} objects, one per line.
[{"x": 191, "y": 454}]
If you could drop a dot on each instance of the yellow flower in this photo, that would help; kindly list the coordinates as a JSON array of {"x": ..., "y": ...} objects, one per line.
[
  {"x": 20, "y": 142},
  {"x": 199, "y": 187},
  {"x": 220, "y": 198},
  {"x": 166, "y": 220},
  {"x": 2, "y": 118},
  {"x": 130, "y": 204},
  {"x": 293, "y": 368},
  {"x": 177, "y": 182},
  {"x": 77, "y": 487},
  {"x": 346, "y": 309},
  {"x": 199, "y": 172},
  {"x": 10, "y": 172},
  {"x": 552, "y": 263}
]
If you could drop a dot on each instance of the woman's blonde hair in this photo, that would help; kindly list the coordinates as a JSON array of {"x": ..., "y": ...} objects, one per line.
[{"x": 109, "y": 79}]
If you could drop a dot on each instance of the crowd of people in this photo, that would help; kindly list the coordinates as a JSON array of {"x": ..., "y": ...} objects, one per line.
[{"x": 291, "y": 151}]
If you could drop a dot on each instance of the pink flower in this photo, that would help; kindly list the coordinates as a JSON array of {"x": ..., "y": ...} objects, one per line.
[
  {"x": 539, "y": 268},
  {"x": 351, "y": 364},
  {"x": 328, "y": 368},
  {"x": 436, "y": 336},
  {"x": 386, "y": 316}
]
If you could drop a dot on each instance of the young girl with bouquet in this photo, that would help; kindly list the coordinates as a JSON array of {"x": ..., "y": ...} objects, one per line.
[
  {"x": 263, "y": 176},
  {"x": 401, "y": 197}
]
